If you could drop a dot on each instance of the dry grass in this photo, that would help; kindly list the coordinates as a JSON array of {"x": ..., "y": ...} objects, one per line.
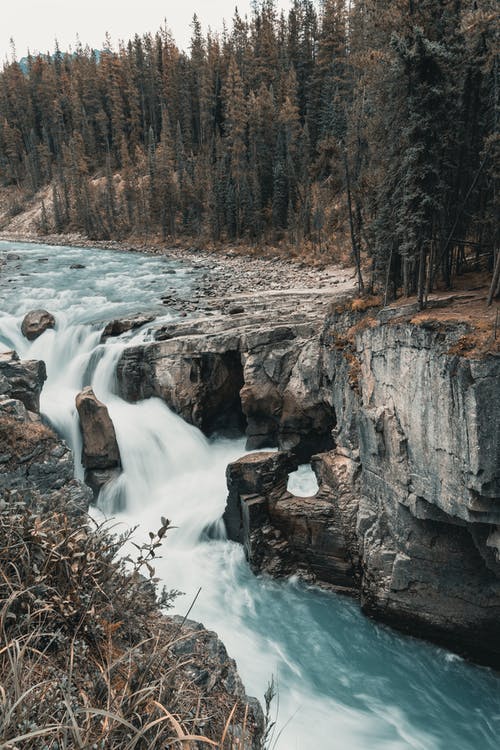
[
  {"x": 23, "y": 440},
  {"x": 470, "y": 309},
  {"x": 480, "y": 342},
  {"x": 360, "y": 304},
  {"x": 86, "y": 658}
]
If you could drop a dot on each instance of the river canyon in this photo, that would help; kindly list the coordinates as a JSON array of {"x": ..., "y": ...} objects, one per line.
[{"x": 343, "y": 680}]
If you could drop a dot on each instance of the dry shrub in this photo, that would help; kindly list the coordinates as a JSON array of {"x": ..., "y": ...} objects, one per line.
[{"x": 86, "y": 658}]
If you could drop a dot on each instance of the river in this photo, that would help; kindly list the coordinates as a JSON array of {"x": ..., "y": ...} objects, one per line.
[{"x": 343, "y": 681}]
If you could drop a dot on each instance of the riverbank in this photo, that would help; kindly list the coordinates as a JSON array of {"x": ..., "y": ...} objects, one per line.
[{"x": 219, "y": 277}]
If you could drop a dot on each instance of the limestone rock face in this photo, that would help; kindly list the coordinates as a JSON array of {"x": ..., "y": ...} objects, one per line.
[
  {"x": 286, "y": 535},
  {"x": 429, "y": 431},
  {"x": 434, "y": 418},
  {"x": 36, "y": 322},
  {"x": 22, "y": 381}
]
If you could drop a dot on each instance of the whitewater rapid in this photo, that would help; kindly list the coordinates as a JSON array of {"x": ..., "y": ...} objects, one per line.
[{"x": 343, "y": 681}]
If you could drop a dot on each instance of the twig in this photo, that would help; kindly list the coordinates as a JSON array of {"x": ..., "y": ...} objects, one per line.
[{"x": 189, "y": 610}]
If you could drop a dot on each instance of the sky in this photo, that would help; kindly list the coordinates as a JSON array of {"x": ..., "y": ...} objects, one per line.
[{"x": 35, "y": 24}]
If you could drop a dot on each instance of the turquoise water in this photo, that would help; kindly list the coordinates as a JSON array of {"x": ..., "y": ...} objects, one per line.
[{"x": 343, "y": 681}]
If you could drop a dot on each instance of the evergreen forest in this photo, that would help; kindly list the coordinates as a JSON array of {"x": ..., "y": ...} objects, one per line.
[{"x": 366, "y": 125}]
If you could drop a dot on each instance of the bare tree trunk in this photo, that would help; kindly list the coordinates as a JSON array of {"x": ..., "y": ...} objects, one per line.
[
  {"x": 428, "y": 274},
  {"x": 355, "y": 248},
  {"x": 406, "y": 274},
  {"x": 387, "y": 279},
  {"x": 421, "y": 277},
  {"x": 495, "y": 281}
]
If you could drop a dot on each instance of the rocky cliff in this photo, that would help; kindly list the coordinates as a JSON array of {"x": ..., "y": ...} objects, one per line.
[
  {"x": 408, "y": 509},
  {"x": 429, "y": 448}
]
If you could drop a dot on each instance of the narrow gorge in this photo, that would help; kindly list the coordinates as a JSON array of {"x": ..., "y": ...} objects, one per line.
[
  {"x": 306, "y": 445},
  {"x": 401, "y": 419}
]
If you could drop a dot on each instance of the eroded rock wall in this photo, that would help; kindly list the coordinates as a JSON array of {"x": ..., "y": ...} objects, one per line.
[
  {"x": 429, "y": 434},
  {"x": 286, "y": 535},
  {"x": 250, "y": 371},
  {"x": 409, "y": 496}
]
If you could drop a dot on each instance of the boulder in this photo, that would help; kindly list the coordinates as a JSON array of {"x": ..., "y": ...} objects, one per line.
[
  {"x": 36, "y": 322},
  {"x": 100, "y": 449}
]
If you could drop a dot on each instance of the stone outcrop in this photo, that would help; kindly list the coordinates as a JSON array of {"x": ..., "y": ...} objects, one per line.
[
  {"x": 258, "y": 370},
  {"x": 286, "y": 535},
  {"x": 100, "y": 452},
  {"x": 37, "y": 322},
  {"x": 122, "y": 325},
  {"x": 209, "y": 668},
  {"x": 22, "y": 381},
  {"x": 36, "y": 466}
]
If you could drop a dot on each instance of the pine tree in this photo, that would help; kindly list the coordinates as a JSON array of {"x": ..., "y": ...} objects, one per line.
[{"x": 235, "y": 124}]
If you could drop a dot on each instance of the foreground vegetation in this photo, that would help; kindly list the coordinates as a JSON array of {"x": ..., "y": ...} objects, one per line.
[
  {"x": 87, "y": 660},
  {"x": 369, "y": 125}
]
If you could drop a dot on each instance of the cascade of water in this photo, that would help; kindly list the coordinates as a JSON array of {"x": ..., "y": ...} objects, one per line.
[{"x": 343, "y": 681}]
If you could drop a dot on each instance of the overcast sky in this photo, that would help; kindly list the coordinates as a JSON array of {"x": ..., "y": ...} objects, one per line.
[{"x": 35, "y": 24}]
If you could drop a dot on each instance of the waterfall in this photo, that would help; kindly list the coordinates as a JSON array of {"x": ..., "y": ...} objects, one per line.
[{"x": 343, "y": 681}]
